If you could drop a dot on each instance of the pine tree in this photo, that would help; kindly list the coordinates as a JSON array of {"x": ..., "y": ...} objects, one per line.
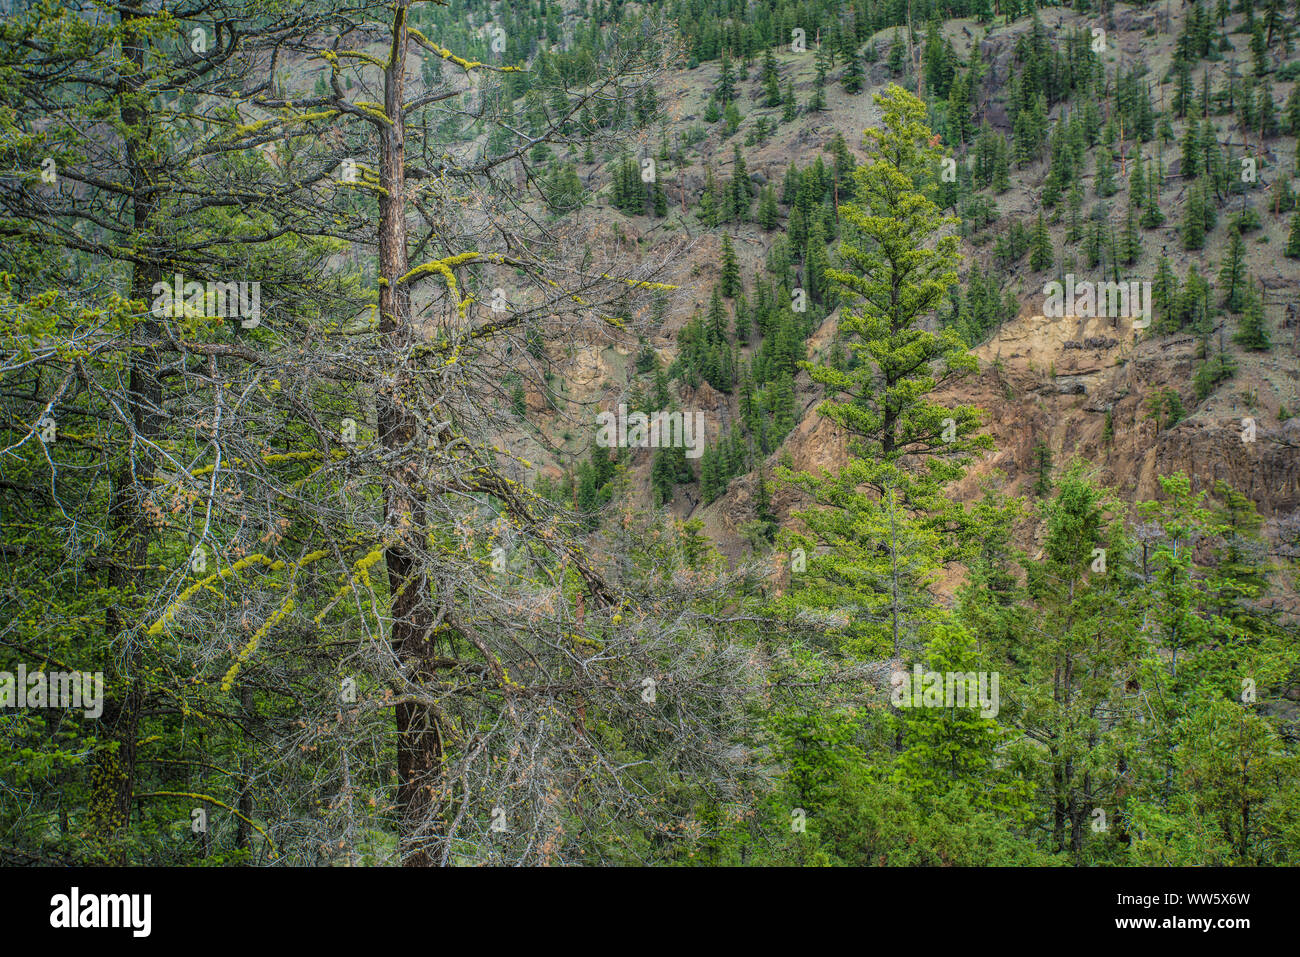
[
  {"x": 1193, "y": 231},
  {"x": 1043, "y": 467},
  {"x": 729, "y": 282},
  {"x": 895, "y": 276},
  {"x": 1152, "y": 216},
  {"x": 954, "y": 747},
  {"x": 1131, "y": 248},
  {"x": 1209, "y": 204},
  {"x": 741, "y": 320},
  {"x": 709, "y": 475},
  {"x": 1067, "y": 626},
  {"x": 1293, "y": 111},
  {"x": 1252, "y": 331},
  {"x": 716, "y": 318},
  {"x": 853, "y": 75},
  {"x": 1293, "y": 241},
  {"x": 1105, "y": 183},
  {"x": 1094, "y": 243},
  {"x": 815, "y": 265},
  {"x": 1137, "y": 184},
  {"x": 741, "y": 188},
  {"x": 959, "y": 109},
  {"x": 789, "y": 108},
  {"x": 818, "y": 102},
  {"x": 897, "y": 54},
  {"x": 1268, "y": 124},
  {"x": 783, "y": 406},
  {"x": 726, "y": 87},
  {"x": 1042, "y": 253},
  {"x": 1074, "y": 224},
  {"x": 771, "y": 80},
  {"x": 731, "y": 118},
  {"x": 663, "y": 475},
  {"x": 1232, "y": 272},
  {"x": 1283, "y": 200},
  {"x": 768, "y": 212},
  {"x": 1191, "y": 150},
  {"x": 710, "y": 208}
]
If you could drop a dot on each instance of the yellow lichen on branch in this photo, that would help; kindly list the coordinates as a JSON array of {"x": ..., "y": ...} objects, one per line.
[
  {"x": 285, "y": 607},
  {"x": 246, "y": 652},
  {"x": 276, "y": 617},
  {"x": 639, "y": 283},
  {"x": 444, "y": 267},
  {"x": 170, "y": 613},
  {"x": 451, "y": 57},
  {"x": 361, "y": 573},
  {"x": 219, "y": 803},
  {"x": 358, "y": 55}
]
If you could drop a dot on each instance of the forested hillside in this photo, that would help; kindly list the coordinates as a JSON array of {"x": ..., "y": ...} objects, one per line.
[{"x": 703, "y": 432}]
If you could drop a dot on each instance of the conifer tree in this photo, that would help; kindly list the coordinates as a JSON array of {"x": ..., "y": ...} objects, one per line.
[
  {"x": 768, "y": 212},
  {"x": 1068, "y": 637},
  {"x": 741, "y": 189},
  {"x": 894, "y": 276},
  {"x": 726, "y": 87},
  {"x": 1232, "y": 272},
  {"x": 1252, "y": 331},
  {"x": 1293, "y": 240},
  {"x": 1042, "y": 254},
  {"x": 1293, "y": 111},
  {"x": 815, "y": 265},
  {"x": 789, "y": 108},
  {"x": 1193, "y": 229},
  {"x": 1137, "y": 184},
  {"x": 1105, "y": 182},
  {"x": 771, "y": 80},
  {"x": 1131, "y": 246},
  {"x": 1191, "y": 165},
  {"x": 729, "y": 280},
  {"x": 1152, "y": 216},
  {"x": 853, "y": 74}
]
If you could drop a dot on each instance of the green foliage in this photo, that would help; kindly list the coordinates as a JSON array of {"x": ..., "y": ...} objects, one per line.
[{"x": 1125, "y": 638}]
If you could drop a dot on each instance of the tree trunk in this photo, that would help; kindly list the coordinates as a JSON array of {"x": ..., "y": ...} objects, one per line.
[
  {"x": 419, "y": 741},
  {"x": 113, "y": 774}
]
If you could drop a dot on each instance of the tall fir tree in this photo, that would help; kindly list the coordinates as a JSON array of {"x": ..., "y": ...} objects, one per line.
[{"x": 895, "y": 273}]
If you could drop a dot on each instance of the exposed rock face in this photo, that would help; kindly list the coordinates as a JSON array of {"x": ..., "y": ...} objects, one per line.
[
  {"x": 1070, "y": 385},
  {"x": 1101, "y": 368},
  {"x": 1266, "y": 470}
]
